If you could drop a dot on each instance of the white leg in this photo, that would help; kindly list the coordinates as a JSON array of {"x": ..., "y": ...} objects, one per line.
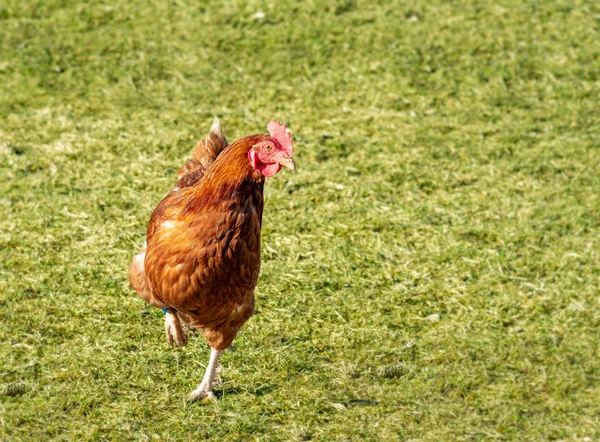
[
  {"x": 205, "y": 388},
  {"x": 175, "y": 334}
]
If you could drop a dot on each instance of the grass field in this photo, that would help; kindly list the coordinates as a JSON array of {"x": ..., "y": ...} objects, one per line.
[{"x": 430, "y": 273}]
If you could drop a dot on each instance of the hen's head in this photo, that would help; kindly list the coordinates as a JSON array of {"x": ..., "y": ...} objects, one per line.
[{"x": 273, "y": 151}]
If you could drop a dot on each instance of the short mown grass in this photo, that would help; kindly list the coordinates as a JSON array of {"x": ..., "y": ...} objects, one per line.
[{"x": 430, "y": 272}]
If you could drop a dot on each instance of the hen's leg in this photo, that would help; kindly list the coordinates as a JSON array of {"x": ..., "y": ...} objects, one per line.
[
  {"x": 175, "y": 334},
  {"x": 206, "y": 386}
]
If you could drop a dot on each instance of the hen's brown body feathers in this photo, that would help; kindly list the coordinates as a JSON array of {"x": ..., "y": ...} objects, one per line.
[{"x": 202, "y": 256}]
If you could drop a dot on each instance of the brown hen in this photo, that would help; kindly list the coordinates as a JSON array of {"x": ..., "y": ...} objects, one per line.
[{"x": 201, "y": 259}]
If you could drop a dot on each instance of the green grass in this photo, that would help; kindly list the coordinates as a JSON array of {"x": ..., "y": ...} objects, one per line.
[{"x": 448, "y": 164}]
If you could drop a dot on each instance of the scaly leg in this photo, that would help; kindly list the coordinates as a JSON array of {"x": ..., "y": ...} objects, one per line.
[
  {"x": 206, "y": 386},
  {"x": 175, "y": 334}
]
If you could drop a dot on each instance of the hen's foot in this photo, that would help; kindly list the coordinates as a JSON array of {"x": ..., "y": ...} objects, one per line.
[
  {"x": 211, "y": 377},
  {"x": 175, "y": 333},
  {"x": 203, "y": 391}
]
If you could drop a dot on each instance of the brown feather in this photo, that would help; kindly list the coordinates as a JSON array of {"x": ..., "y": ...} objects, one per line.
[
  {"x": 203, "y": 241},
  {"x": 204, "y": 154}
]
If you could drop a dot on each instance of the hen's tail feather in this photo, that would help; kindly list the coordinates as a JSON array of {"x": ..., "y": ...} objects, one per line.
[
  {"x": 204, "y": 154},
  {"x": 207, "y": 150}
]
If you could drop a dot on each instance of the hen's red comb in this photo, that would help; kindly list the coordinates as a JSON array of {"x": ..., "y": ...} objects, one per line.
[{"x": 282, "y": 135}]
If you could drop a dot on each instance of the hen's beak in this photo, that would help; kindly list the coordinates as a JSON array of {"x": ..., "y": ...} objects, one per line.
[{"x": 289, "y": 163}]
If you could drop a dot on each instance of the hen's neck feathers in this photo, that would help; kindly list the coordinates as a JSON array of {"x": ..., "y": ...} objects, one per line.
[
  {"x": 230, "y": 171},
  {"x": 233, "y": 164}
]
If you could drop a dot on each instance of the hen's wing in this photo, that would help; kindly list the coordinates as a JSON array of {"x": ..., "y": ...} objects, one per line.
[{"x": 205, "y": 153}]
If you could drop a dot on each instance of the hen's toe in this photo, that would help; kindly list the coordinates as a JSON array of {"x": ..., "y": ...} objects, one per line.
[
  {"x": 173, "y": 329},
  {"x": 202, "y": 393}
]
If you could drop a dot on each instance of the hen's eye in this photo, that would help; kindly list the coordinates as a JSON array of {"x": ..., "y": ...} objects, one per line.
[{"x": 268, "y": 147}]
